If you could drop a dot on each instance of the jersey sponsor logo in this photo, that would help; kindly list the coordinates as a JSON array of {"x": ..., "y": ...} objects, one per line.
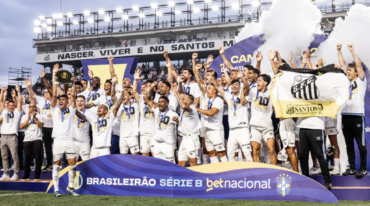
[
  {"x": 261, "y": 103},
  {"x": 103, "y": 126},
  {"x": 124, "y": 116},
  {"x": 305, "y": 88},
  {"x": 354, "y": 88},
  {"x": 66, "y": 113},
  {"x": 11, "y": 116},
  {"x": 82, "y": 123},
  {"x": 164, "y": 122},
  {"x": 232, "y": 103},
  {"x": 283, "y": 184},
  {"x": 149, "y": 114},
  {"x": 46, "y": 108},
  {"x": 187, "y": 91},
  {"x": 94, "y": 97},
  {"x": 304, "y": 109}
]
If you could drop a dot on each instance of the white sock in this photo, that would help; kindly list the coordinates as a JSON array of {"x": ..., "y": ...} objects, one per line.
[
  {"x": 56, "y": 177},
  {"x": 199, "y": 160},
  {"x": 205, "y": 159},
  {"x": 214, "y": 159},
  {"x": 71, "y": 176},
  {"x": 336, "y": 163},
  {"x": 232, "y": 159},
  {"x": 224, "y": 159},
  {"x": 235, "y": 158}
]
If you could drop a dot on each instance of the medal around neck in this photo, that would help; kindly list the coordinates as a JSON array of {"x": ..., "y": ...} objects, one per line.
[{"x": 64, "y": 76}]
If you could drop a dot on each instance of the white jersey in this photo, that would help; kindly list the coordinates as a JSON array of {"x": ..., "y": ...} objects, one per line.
[
  {"x": 82, "y": 128},
  {"x": 226, "y": 107},
  {"x": 107, "y": 101},
  {"x": 165, "y": 126},
  {"x": 147, "y": 122},
  {"x": 189, "y": 122},
  {"x": 311, "y": 123},
  {"x": 32, "y": 131},
  {"x": 172, "y": 105},
  {"x": 91, "y": 96},
  {"x": 10, "y": 121},
  {"x": 355, "y": 103},
  {"x": 215, "y": 122},
  {"x": 44, "y": 106},
  {"x": 238, "y": 113},
  {"x": 191, "y": 88},
  {"x": 261, "y": 109},
  {"x": 129, "y": 121},
  {"x": 63, "y": 121},
  {"x": 115, "y": 129},
  {"x": 102, "y": 130},
  {"x": 24, "y": 112}
]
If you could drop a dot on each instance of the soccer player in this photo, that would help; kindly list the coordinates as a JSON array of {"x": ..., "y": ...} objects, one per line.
[
  {"x": 331, "y": 131},
  {"x": 9, "y": 131},
  {"x": 32, "y": 122},
  {"x": 261, "y": 123},
  {"x": 79, "y": 87},
  {"x": 84, "y": 85},
  {"x": 189, "y": 125},
  {"x": 94, "y": 92},
  {"x": 82, "y": 128},
  {"x": 353, "y": 121},
  {"x": 164, "y": 90},
  {"x": 165, "y": 121},
  {"x": 63, "y": 135}
]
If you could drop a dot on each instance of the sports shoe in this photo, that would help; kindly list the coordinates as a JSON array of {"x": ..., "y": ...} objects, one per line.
[
  {"x": 56, "y": 194},
  {"x": 335, "y": 171},
  {"x": 49, "y": 168},
  {"x": 328, "y": 185},
  {"x": 361, "y": 173},
  {"x": 317, "y": 171},
  {"x": 349, "y": 172},
  {"x": 12, "y": 168},
  {"x": 32, "y": 168},
  {"x": 312, "y": 169},
  {"x": 4, "y": 177},
  {"x": 14, "y": 177},
  {"x": 24, "y": 178},
  {"x": 282, "y": 156},
  {"x": 72, "y": 191}
]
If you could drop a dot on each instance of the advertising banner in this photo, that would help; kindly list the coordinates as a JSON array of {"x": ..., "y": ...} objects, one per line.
[{"x": 131, "y": 175}]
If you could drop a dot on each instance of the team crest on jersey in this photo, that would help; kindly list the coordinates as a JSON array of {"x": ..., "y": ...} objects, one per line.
[
  {"x": 124, "y": 116},
  {"x": 305, "y": 88},
  {"x": 66, "y": 113},
  {"x": 283, "y": 184},
  {"x": 164, "y": 122}
]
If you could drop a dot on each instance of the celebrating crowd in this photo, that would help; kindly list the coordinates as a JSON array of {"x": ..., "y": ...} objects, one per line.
[{"x": 188, "y": 120}]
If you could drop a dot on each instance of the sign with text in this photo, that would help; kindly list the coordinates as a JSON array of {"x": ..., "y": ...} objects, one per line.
[
  {"x": 132, "y": 175},
  {"x": 134, "y": 51}
]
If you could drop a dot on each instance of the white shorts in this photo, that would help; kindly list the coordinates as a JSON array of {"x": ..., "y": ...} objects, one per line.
[
  {"x": 99, "y": 152},
  {"x": 188, "y": 147},
  {"x": 330, "y": 126},
  {"x": 63, "y": 146},
  {"x": 126, "y": 143},
  {"x": 164, "y": 151},
  {"x": 287, "y": 133},
  {"x": 146, "y": 143},
  {"x": 215, "y": 140},
  {"x": 258, "y": 133},
  {"x": 83, "y": 150},
  {"x": 202, "y": 132},
  {"x": 239, "y": 138}
]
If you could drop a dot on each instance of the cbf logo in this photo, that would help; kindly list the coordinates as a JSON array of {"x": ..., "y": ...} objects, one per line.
[
  {"x": 283, "y": 184},
  {"x": 78, "y": 181},
  {"x": 305, "y": 88}
]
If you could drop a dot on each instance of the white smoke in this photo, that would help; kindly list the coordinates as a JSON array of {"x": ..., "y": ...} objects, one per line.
[
  {"x": 287, "y": 25},
  {"x": 355, "y": 29}
]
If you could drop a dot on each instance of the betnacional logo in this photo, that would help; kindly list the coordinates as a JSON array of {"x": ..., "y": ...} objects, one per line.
[
  {"x": 304, "y": 109},
  {"x": 78, "y": 180},
  {"x": 283, "y": 184},
  {"x": 237, "y": 184}
]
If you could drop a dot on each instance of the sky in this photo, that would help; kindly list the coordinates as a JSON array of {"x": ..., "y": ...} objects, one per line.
[{"x": 16, "y": 26}]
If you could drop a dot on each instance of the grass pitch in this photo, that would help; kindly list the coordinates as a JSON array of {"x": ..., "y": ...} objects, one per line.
[{"x": 24, "y": 198}]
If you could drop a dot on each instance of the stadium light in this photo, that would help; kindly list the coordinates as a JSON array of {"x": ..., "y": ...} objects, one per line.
[
  {"x": 90, "y": 20},
  {"x": 42, "y": 17},
  {"x": 190, "y": 2},
  {"x": 107, "y": 18},
  {"x": 159, "y": 13},
  {"x": 235, "y": 5},
  {"x": 55, "y": 16},
  {"x": 171, "y": 4},
  {"x": 49, "y": 21},
  {"x": 87, "y": 13},
  {"x": 49, "y": 28},
  {"x": 44, "y": 25},
  {"x": 215, "y": 8},
  {"x": 101, "y": 11},
  {"x": 135, "y": 8},
  {"x": 154, "y": 5},
  {"x": 255, "y": 3},
  {"x": 196, "y": 10},
  {"x": 69, "y": 15},
  {"x": 141, "y": 15},
  {"x": 125, "y": 17},
  {"x": 60, "y": 23},
  {"x": 37, "y": 22},
  {"x": 75, "y": 22},
  {"x": 119, "y": 10},
  {"x": 37, "y": 30},
  {"x": 208, "y": 1},
  {"x": 60, "y": 16},
  {"x": 178, "y": 12}
]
